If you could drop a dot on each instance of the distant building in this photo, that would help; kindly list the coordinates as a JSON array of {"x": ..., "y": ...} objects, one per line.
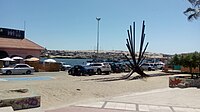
[{"x": 13, "y": 43}]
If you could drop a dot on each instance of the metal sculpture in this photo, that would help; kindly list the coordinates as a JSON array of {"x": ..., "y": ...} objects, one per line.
[{"x": 136, "y": 64}]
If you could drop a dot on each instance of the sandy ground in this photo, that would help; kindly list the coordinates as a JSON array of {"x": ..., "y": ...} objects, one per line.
[{"x": 64, "y": 89}]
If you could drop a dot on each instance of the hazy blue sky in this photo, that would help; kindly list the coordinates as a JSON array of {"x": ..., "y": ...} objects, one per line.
[{"x": 72, "y": 24}]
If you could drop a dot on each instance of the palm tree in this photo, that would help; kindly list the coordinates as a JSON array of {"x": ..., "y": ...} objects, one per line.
[{"x": 194, "y": 11}]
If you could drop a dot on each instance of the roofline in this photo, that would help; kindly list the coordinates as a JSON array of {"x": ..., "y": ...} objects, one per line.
[
  {"x": 10, "y": 47},
  {"x": 34, "y": 43},
  {"x": 22, "y": 48}
]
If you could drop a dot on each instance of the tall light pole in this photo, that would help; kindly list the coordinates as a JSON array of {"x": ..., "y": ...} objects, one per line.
[{"x": 98, "y": 19}]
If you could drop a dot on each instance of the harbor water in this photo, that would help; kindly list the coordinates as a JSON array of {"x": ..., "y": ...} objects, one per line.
[{"x": 70, "y": 61}]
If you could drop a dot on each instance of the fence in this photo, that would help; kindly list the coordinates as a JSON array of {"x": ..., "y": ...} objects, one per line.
[
  {"x": 187, "y": 69},
  {"x": 44, "y": 67}
]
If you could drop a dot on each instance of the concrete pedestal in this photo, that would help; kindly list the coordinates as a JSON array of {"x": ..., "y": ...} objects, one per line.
[{"x": 18, "y": 99}]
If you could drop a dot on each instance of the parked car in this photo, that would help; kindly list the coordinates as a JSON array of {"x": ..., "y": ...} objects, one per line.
[
  {"x": 18, "y": 69},
  {"x": 148, "y": 66},
  {"x": 160, "y": 65},
  {"x": 117, "y": 67},
  {"x": 65, "y": 66},
  {"x": 100, "y": 68},
  {"x": 79, "y": 70}
]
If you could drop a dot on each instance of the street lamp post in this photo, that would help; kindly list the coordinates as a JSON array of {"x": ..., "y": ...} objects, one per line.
[{"x": 98, "y": 19}]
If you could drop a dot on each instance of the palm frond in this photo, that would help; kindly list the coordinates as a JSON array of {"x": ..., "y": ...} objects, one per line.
[
  {"x": 197, "y": 4},
  {"x": 192, "y": 13},
  {"x": 191, "y": 17},
  {"x": 189, "y": 10},
  {"x": 192, "y": 2},
  {"x": 198, "y": 14}
]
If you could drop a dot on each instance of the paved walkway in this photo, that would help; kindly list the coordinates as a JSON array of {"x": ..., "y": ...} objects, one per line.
[{"x": 163, "y": 100}]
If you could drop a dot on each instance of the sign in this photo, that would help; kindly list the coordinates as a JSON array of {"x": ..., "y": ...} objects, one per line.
[{"x": 11, "y": 33}]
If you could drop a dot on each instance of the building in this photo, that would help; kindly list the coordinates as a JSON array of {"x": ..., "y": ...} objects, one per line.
[{"x": 13, "y": 43}]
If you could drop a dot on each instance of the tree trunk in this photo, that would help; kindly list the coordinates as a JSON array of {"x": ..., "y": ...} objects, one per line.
[
  {"x": 199, "y": 68},
  {"x": 199, "y": 72},
  {"x": 192, "y": 75}
]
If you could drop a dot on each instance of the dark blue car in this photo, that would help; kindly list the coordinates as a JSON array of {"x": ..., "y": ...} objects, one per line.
[{"x": 79, "y": 70}]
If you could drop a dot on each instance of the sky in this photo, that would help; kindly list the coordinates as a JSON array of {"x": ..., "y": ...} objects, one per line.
[{"x": 72, "y": 24}]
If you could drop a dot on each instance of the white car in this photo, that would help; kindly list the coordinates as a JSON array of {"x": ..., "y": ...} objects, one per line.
[
  {"x": 148, "y": 66},
  {"x": 64, "y": 66},
  {"x": 160, "y": 65},
  {"x": 100, "y": 68},
  {"x": 17, "y": 69}
]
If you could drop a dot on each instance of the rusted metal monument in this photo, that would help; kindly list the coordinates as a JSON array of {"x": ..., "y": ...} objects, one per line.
[{"x": 131, "y": 45}]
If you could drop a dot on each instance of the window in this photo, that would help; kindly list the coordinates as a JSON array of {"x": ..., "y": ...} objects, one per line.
[
  {"x": 96, "y": 65},
  {"x": 21, "y": 66}
]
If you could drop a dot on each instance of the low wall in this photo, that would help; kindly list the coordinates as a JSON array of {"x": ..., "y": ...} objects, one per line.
[
  {"x": 34, "y": 64},
  {"x": 21, "y": 103},
  {"x": 51, "y": 67},
  {"x": 19, "y": 99},
  {"x": 44, "y": 67},
  {"x": 187, "y": 69},
  {"x": 183, "y": 81}
]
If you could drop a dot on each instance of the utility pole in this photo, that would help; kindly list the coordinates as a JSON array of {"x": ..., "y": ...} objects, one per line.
[{"x": 98, "y": 19}]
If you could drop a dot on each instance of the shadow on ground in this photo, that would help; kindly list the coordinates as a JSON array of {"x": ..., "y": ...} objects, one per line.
[{"x": 124, "y": 77}]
